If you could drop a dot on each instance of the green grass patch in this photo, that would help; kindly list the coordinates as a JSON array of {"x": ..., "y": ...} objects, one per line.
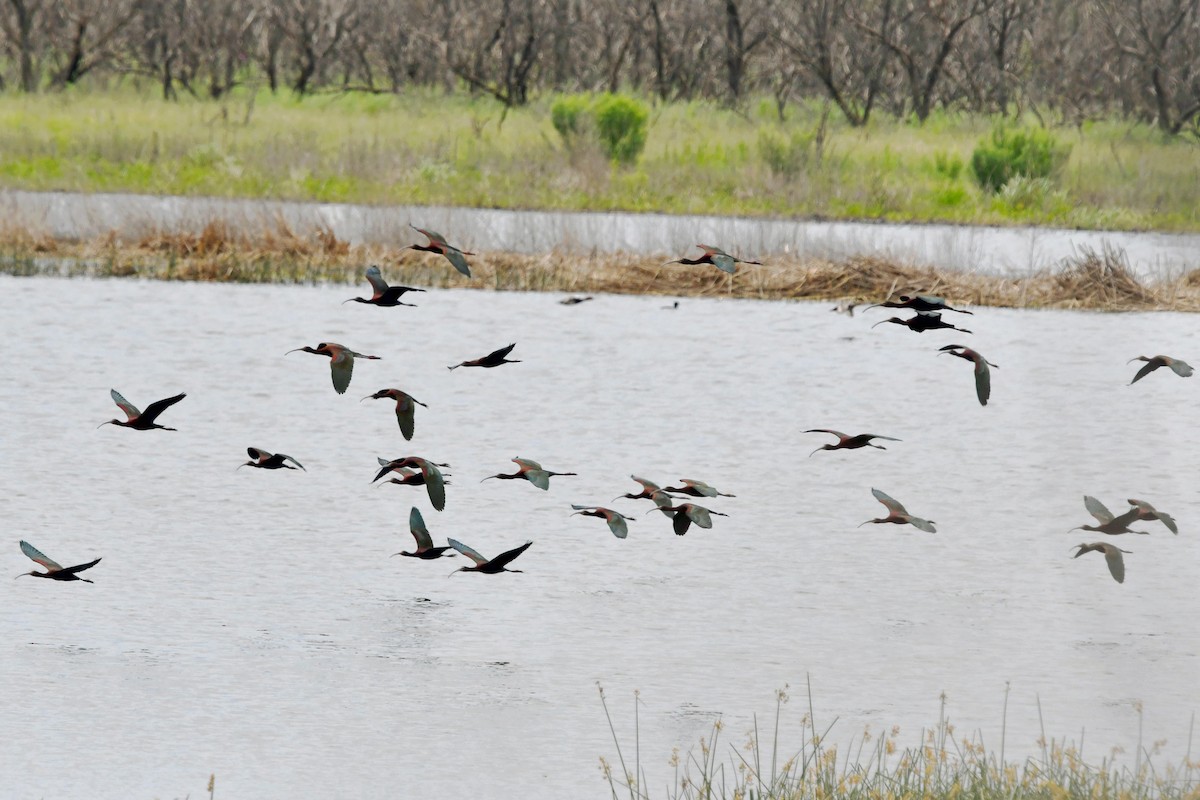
[{"x": 696, "y": 158}]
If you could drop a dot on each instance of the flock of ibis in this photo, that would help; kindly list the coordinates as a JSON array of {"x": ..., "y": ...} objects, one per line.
[{"x": 419, "y": 471}]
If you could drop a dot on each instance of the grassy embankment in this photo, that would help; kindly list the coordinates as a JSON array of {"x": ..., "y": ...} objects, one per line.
[
  {"x": 873, "y": 767},
  {"x": 429, "y": 148}
]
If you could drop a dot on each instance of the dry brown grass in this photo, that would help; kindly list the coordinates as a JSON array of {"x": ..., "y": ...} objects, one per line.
[{"x": 1091, "y": 280}]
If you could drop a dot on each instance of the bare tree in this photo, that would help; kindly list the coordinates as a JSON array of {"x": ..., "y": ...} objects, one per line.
[{"x": 20, "y": 22}]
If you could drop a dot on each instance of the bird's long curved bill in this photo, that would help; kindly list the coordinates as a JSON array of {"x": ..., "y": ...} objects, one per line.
[
  {"x": 863, "y": 523},
  {"x": 877, "y": 324},
  {"x": 102, "y": 424},
  {"x": 297, "y": 350},
  {"x": 814, "y": 452}
]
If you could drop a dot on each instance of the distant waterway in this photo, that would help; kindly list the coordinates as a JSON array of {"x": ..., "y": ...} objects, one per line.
[{"x": 1015, "y": 251}]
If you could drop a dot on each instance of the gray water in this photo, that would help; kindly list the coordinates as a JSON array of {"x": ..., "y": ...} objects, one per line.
[
  {"x": 251, "y": 624},
  {"x": 1016, "y": 251}
]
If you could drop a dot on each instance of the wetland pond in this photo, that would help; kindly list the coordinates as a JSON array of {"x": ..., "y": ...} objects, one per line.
[{"x": 250, "y": 623}]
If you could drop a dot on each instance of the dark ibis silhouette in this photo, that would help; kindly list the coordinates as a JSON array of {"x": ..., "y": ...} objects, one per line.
[
  {"x": 898, "y": 515},
  {"x": 683, "y": 515},
  {"x": 846, "y": 308},
  {"x": 574, "y": 301},
  {"x": 1180, "y": 368},
  {"x": 531, "y": 471},
  {"x": 382, "y": 294},
  {"x": 983, "y": 376},
  {"x": 647, "y": 492},
  {"x": 1112, "y": 555},
  {"x": 671, "y": 307},
  {"x": 923, "y": 321},
  {"x": 434, "y": 481},
  {"x": 341, "y": 362},
  {"x": 141, "y": 420},
  {"x": 409, "y": 477},
  {"x": 919, "y": 302},
  {"x": 717, "y": 257},
  {"x": 425, "y": 548},
  {"x": 847, "y": 442},
  {"x": 615, "y": 519},
  {"x": 406, "y": 406},
  {"x": 1148, "y": 512},
  {"x": 498, "y": 564},
  {"x": 694, "y": 488},
  {"x": 438, "y": 244},
  {"x": 492, "y": 359},
  {"x": 54, "y": 570},
  {"x": 265, "y": 460},
  {"x": 1110, "y": 523}
]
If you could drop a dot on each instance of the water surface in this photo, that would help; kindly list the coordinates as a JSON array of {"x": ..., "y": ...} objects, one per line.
[{"x": 250, "y": 623}]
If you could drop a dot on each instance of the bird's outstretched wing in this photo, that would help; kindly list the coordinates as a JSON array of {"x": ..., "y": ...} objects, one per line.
[
  {"x": 838, "y": 434},
  {"x": 378, "y": 284},
  {"x": 341, "y": 369},
  {"x": 294, "y": 461},
  {"x": 468, "y": 552},
  {"x": 81, "y": 567},
  {"x": 257, "y": 454},
  {"x": 1097, "y": 509},
  {"x": 131, "y": 411},
  {"x": 406, "y": 416},
  {"x": 1149, "y": 367},
  {"x": 617, "y": 523},
  {"x": 158, "y": 406},
  {"x": 435, "y": 484},
  {"x": 502, "y": 352},
  {"x": 40, "y": 557},
  {"x": 456, "y": 257},
  {"x": 983, "y": 381},
  {"x": 433, "y": 236},
  {"x": 508, "y": 556},
  {"x": 922, "y": 524},
  {"x": 890, "y": 503},
  {"x": 1116, "y": 562},
  {"x": 648, "y": 486},
  {"x": 416, "y": 524},
  {"x": 1181, "y": 368},
  {"x": 539, "y": 478}
]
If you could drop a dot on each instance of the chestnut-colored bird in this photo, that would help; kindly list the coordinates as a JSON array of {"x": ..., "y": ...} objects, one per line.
[
  {"x": 383, "y": 295},
  {"x": 683, "y": 515},
  {"x": 848, "y": 442},
  {"x": 425, "y": 548},
  {"x": 406, "y": 406},
  {"x": 435, "y": 483},
  {"x": 54, "y": 570},
  {"x": 1112, "y": 555},
  {"x": 531, "y": 471},
  {"x": 141, "y": 420},
  {"x": 647, "y": 492},
  {"x": 898, "y": 515},
  {"x": 694, "y": 488},
  {"x": 1149, "y": 512},
  {"x": 1180, "y": 368},
  {"x": 265, "y": 460},
  {"x": 1109, "y": 523},
  {"x": 492, "y": 359},
  {"x": 983, "y": 376},
  {"x": 615, "y": 519},
  {"x": 498, "y": 564},
  {"x": 341, "y": 362},
  {"x": 923, "y": 321},
  {"x": 717, "y": 257},
  {"x": 408, "y": 477},
  {"x": 920, "y": 302},
  {"x": 438, "y": 244}
]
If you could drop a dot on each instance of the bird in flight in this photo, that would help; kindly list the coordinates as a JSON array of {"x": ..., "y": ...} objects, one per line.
[
  {"x": 1112, "y": 555},
  {"x": 919, "y": 302},
  {"x": 54, "y": 570},
  {"x": 438, "y": 244},
  {"x": 983, "y": 376},
  {"x": 382, "y": 294},
  {"x": 1109, "y": 523},
  {"x": 848, "y": 442},
  {"x": 492, "y": 359},
  {"x": 265, "y": 460},
  {"x": 141, "y": 420},
  {"x": 341, "y": 362},
  {"x": 498, "y": 564},
  {"x": 922, "y": 321},
  {"x": 531, "y": 471},
  {"x": 1180, "y": 368},
  {"x": 717, "y": 257},
  {"x": 898, "y": 515},
  {"x": 425, "y": 548},
  {"x": 1149, "y": 512},
  {"x": 615, "y": 519},
  {"x": 406, "y": 406}
]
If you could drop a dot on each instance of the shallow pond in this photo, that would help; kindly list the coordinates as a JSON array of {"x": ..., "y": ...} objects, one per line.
[{"x": 251, "y": 623}]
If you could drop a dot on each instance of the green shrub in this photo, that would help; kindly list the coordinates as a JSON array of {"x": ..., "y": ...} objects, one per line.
[
  {"x": 948, "y": 165},
  {"x": 785, "y": 157},
  {"x": 614, "y": 121},
  {"x": 1030, "y": 153}
]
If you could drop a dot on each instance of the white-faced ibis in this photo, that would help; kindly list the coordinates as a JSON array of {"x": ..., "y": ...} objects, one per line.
[
  {"x": 498, "y": 564},
  {"x": 425, "y": 548},
  {"x": 406, "y": 406},
  {"x": 848, "y": 442},
  {"x": 898, "y": 515},
  {"x": 1180, "y": 368},
  {"x": 574, "y": 301},
  {"x": 683, "y": 515},
  {"x": 141, "y": 420},
  {"x": 265, "y": 460},
  {"x": 341, "y": 362},
  {"x": 438, "y": 244},
  {"x": 647, "y": 492},
  {"x": 615, "y": 519},
  {"x": 492, "y": 359},
  {"x": 920, "y": 302},
  {"x": 923, "y": 321},
  {"x": 531, "y": 471},
  {"x": 983, "y": 376},
  {"x": 383, "y": 295},
  {"x": 1149, "y": 512},
  {"x": 717, "y": 257},
  {"x": 1109, "y": 523},
  {"x": 1112, "y": 555},
  {"x": 407, "y": 476},
  {"x": 435, "y": 483},
  {"x": 694, "y": 488},
  {"x": 54, "y": 571}
]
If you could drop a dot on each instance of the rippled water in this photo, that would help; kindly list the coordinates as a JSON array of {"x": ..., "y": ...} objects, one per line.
[
  {"x": 250, "y": 623},
  {"x": 1015, "y": 250}
]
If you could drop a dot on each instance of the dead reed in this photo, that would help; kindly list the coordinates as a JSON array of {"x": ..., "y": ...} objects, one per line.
[{"x": 277, "y": 254}]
